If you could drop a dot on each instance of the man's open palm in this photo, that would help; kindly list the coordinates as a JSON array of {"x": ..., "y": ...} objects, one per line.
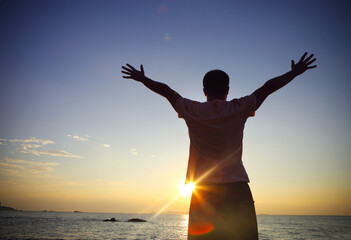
[
  {"x": 132, "y": 73},
  {"x": 303, "y": 64}
]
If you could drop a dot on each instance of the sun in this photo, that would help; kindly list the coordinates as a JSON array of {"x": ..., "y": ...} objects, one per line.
[{"x": 187, "y": 189}]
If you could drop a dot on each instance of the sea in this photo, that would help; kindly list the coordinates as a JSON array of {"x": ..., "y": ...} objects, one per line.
[{"x": 77, "y": 225}]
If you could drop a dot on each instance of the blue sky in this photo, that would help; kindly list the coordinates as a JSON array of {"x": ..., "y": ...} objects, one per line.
[{"x": 60, "y": 78}]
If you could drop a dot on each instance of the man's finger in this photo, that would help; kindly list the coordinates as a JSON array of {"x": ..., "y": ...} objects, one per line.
[
  {"x": 127, "y": 77},
  {"x": 128, "y": 73},
  {"x": 301, "y": 59},
  {"x": 127, "y": 69},
  {"x": 312, "y": 67},
  {"x": 308, "y": 63},
  {"x": 131, "y": 67},
  {"x": 142, "y": 68},
  {"x": 292, "y": 63},
  {"x": 307, "y": 59}
]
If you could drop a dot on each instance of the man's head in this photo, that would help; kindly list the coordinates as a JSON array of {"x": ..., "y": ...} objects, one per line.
[{"x": 216, "y": 84}]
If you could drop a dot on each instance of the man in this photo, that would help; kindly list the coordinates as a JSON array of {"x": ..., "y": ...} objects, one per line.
[{"x": 222, "y": 206}]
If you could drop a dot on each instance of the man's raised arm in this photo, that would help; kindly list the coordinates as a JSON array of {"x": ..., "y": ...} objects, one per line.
[
  {"x": 159, "y": 88},
  {"x": 278, "y": 82}
]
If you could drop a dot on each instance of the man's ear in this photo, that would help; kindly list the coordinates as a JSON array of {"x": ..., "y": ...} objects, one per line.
[
  {"x": 227, "y": 91},
  {"x": 205, "y": 92}
]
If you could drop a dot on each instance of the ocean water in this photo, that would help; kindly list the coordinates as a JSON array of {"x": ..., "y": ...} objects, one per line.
[{"x": 63, "y": 225}]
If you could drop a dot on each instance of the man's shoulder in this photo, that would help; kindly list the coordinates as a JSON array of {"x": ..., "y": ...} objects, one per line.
[
  {"x": 246, "y": 97},
  {"x": 182, "y": 100},
  {"x": 244, "y": 100}
]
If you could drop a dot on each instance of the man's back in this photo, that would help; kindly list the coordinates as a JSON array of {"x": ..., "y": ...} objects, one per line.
[{"x": 216, "y": 132}]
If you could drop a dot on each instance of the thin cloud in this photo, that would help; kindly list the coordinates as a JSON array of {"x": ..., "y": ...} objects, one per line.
[
  {"x": 10, "y": 165},
  {"x": 28, "y": 140},
  {"x": 78, "y": 138},
  {"x": 32, "y": 145},
  {"x": 25, "y": 146},
  {"x": 15, "y": 167},
  {"x": 39, "y": 170},
  {"x": 36, "y": 163},
  {"x": 27, "y": 143},
  {"x": 133, "y": 151},
  {"x": 107, "y": 145},
  {"x": 10, "y": 172},
  {"x": 56, "y": 153}
]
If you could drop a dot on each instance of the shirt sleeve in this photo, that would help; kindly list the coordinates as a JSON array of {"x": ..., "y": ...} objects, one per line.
[
  {"x": 248, "y": 105},
  {"x": 180, "y": 107},
  {"x": 184, "y": 107}
]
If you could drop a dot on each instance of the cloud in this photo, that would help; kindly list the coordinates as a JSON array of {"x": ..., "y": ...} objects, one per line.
[
  {"x": 152, "y": 156},
  {"x": 56, "y": 153},
  {"x": 25, "y": 146},
  {"x": 15, "y": 167},
  {"x": 26, "y": 143},
  {"x": 107, "y": 145},
  {"x": 10, "y": 165},
  {"x": 39, "y": 170},
  {"x": 33, "y": 145},
  {"x": 28, "y": 140},
  {"x": 36, "y": 163},
  {"x": 9, "y": 172},
  {"x": 78, "y": 138},
  {"x": 133, "y": 151}
]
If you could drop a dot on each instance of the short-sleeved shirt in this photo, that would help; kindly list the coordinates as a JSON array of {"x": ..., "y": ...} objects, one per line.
[{"x": 216, "y": 134}]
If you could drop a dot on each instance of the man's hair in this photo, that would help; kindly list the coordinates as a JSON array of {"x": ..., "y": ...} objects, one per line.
[{"x": 216, "y": 82}]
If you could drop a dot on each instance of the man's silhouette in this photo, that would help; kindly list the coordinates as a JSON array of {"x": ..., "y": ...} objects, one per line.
[{"x": 222, "y": 206}]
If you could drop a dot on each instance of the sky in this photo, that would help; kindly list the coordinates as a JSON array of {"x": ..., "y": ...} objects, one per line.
[{"x": 75, "y": 135}]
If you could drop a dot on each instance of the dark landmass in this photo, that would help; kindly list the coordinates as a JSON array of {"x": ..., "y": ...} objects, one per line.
[
  {"x": 4, "y": 208},
  {"x": 130, "y": 220},
  {"x": 136, "y": 220},
  {"x": 111, "y": 220},
  {"x": 77, "y": 211}
]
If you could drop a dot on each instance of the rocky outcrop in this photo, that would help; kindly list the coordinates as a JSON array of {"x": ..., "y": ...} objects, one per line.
[
  {"x": 136, "y": 220},
  {"x": 4, "y": 208},
  {"x": 130, "y": 220},
  {"x": 111, "y": 220}
]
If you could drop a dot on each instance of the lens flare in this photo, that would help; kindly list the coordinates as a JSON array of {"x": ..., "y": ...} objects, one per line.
[
  {"x": 167, "y": 37},
  {"x": 187, "y": 189},
  {"x": 200, "y": 228}
]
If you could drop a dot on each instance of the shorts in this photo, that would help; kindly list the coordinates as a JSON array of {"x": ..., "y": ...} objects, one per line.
[{"x": 222, "y": 211}]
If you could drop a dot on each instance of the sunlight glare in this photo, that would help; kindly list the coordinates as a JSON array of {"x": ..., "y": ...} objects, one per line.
[{"x": 187, "y": 189}]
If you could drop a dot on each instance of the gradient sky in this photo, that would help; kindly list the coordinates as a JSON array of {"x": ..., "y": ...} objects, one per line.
[{"x": 75, "y": 135}]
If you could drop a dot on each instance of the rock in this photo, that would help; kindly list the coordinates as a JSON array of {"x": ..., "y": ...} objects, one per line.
[
  {"x": 136, "y": 220},
  {"x": 111, "y": 220},
  {"x": 4, "y": 208}
]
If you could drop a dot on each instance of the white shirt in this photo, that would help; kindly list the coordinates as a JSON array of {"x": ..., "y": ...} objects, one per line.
[{"x": 216, "y": 134}]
